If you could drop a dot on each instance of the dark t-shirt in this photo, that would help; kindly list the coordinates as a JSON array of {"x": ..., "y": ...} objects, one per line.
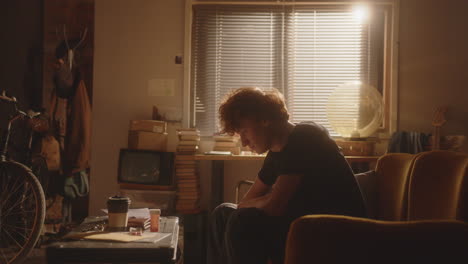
[{"x": 328, "y": 185}]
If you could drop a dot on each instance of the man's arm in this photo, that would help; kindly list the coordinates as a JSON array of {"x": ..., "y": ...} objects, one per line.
[
  {"x": 276, "y": 201},
  {"x": 256, "y": 190}
]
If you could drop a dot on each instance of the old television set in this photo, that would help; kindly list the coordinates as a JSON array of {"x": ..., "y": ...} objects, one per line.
[{"x": 146, "y": 169}]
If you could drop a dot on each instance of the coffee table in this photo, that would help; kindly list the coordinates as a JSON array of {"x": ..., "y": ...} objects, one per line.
[{"x": 91, "y": 251}]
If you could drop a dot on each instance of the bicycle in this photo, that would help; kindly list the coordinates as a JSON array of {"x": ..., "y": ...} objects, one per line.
[{"x": 22, "y": 200}]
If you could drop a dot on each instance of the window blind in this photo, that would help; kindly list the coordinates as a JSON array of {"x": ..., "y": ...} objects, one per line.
[
  {"x": 303, "y": 51},
  {"x": 327, "y": 48}
]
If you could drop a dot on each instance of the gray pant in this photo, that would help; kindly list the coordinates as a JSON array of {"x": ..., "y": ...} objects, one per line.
[{"x": 244, "y": 236}]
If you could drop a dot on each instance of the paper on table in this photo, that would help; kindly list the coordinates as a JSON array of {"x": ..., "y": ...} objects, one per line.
[
  {"x": 126, "y": 237},
  {"x": 137, "y": 213}
]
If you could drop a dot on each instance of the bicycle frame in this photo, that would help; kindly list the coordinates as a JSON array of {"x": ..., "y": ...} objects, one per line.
[
  {"x": 19, "y": 114},
  {"x": 22, "y": 203}
]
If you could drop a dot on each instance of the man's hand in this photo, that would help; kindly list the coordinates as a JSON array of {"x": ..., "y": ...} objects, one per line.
[
  {"x": 258, "y": 189},
  {"x": 258, "y": 202},
  {"x": 275, "y": 203}
]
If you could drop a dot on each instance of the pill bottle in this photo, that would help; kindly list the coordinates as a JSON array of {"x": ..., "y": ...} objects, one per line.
[{"x": 154, "y": 214}]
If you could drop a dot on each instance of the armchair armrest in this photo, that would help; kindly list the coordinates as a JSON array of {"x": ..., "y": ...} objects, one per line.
[{"x": 342, "y": 239}]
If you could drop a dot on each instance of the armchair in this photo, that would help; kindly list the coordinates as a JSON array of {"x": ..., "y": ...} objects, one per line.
[
  {"x": 332, "y": 239},
  {"x": 418, "y": 205}
]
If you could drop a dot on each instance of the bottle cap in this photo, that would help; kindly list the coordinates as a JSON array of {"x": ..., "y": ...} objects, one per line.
[{"x": 155, "y": 211}]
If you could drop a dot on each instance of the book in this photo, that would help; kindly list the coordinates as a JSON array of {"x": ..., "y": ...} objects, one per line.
[
  {"x": 181, "y": 161},
  {"x": 185, "y": 166},
  {"x": 187, "y": 187},
  {"x": 233, "y": 150},
  {"x": 186, "y": 207},
  {"x": 186, "y": 181},
  {"x": 192, "y": 194},
  {"x": 139, "y": 222},
  {"x": 194, "y": 178},
  {"x": 187, "y": 200},
  {"x": 181, "y": 132},
  {"x": 225, "y": 144},
  {"x": 224, "y": 137},
  {"x": 187, "y": 147},
  {"x": 184, "y": 170},
  {"x": 186, "y": 152},
  {"x": 189, "y": 211},
  {"x": 189, "y": 137},
  {"x": 184, "y": 158},
  {"x": 191, "y": 197},
  {"x": 187, "y": 129},
  {"x": 213, "y": 152},
  {"x": 188, "y": 142},
  {"x": 185, "y": 175}
]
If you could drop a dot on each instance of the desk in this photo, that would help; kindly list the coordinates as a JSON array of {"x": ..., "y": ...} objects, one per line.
[
  {"x": 217, "y": 169},
  {"x": 87, "y": 251}
]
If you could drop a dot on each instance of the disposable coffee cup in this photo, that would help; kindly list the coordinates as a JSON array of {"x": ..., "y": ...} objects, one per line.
[{"x": 117, "y": 211}]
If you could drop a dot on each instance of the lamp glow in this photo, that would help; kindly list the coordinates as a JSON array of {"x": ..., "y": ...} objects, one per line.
[{"x": 361, "y": 13}]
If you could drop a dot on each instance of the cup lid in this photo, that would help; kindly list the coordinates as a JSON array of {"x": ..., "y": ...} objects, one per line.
[
  {"x": 155, "y": 211},
  {"x": 119, "y": 198}
]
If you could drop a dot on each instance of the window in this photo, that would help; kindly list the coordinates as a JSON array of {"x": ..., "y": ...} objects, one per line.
[{"x": 305, "y": 51}]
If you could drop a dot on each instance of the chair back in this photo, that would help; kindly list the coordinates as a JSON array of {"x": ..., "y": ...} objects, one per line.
[
  {"x": 392, "y": 172},
  {"x": 438, "y": 186}
]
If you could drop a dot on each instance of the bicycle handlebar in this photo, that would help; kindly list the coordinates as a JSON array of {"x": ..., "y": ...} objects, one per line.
[
  {"x": 19, "y": 114},
  {"x": 31, "y": 114},
  {"x": 6, "y": 98}
]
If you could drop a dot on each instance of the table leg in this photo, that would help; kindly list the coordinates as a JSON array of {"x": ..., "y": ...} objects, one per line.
[{"x": 217, "y": 183}]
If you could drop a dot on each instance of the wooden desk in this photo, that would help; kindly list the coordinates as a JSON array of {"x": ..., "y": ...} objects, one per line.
[{"x": 217, "y": 169}]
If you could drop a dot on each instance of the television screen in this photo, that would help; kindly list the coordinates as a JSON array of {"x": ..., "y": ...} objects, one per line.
[{"x": 146, "y": 167}]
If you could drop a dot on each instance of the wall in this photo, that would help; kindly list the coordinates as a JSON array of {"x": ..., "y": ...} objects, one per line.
[
  {"x": 137, "y": 40},
  {"x": 433, "y": 65},
  {"x": 21, "y": 51}
]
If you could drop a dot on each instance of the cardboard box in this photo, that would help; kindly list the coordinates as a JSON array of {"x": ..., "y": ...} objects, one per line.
[
  {"x": 147, "y": 140},
  {"x": 148, "y": 126}
]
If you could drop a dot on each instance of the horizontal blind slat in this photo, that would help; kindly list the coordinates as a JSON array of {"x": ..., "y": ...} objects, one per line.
[{"x": 239, "y": 46}]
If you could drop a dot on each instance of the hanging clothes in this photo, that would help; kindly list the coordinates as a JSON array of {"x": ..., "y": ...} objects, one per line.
[
  {"x": 408, "y": 142},
  {"x": 71, "y": 118}
]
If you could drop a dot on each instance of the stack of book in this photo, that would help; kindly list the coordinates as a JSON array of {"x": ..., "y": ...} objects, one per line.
[
  {"x": 224, "y": 142},
  {"x": 189, "y": 139},
  {"x": 139, "y": 222},
  {"x": 188, "y": 188}
]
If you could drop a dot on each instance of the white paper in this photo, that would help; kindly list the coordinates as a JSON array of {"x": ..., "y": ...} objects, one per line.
[{"x": 146, "y": 237}]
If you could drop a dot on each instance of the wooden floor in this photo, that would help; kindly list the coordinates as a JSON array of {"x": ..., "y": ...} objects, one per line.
[{"x": 37, "y": 256}]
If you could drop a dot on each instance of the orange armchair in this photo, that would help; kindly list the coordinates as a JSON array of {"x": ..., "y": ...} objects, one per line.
[
  {"x": 331, "y": 239},
  {"x": 419, "y": 206}
]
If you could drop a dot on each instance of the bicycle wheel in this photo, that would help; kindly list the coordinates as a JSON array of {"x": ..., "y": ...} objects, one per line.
[{"x": 22, "y": 211}]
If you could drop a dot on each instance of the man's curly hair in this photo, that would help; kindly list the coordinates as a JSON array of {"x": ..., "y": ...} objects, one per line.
[{"x": 254, "y": 104}]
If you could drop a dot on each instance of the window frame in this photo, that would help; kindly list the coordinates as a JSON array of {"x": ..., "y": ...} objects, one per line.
[{"x": 390, "y": 60}]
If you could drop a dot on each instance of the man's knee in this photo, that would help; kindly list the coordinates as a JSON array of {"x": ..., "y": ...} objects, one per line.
[
  {"x": 224, "y": 210},
  {"x": 221, "y": 213}
]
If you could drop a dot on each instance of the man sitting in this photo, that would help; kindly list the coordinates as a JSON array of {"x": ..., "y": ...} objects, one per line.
[{"x": 303, "y": 173}]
